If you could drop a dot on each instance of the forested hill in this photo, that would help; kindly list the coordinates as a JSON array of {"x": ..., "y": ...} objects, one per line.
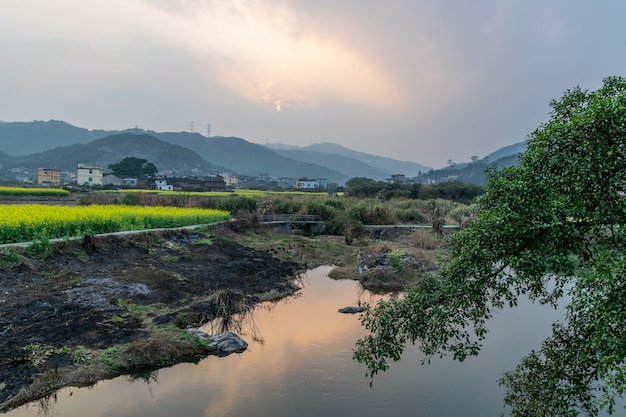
[
  {"x": 25, "y": 138},
  {"x": 114, "y": 148}
]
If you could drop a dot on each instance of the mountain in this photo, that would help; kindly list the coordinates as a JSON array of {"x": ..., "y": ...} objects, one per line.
[
  {"x": 112, "y": 149},
  {"x": 24, "y": 138},
  {"x": 58, "y": 144},
  {"x": 514, "y": 149},
  {"x": 473, "y": 173},
  {"x": 371, "y": 166},
  {"x": 348, "y": 166},
  {"x": 248, "y": 158}
]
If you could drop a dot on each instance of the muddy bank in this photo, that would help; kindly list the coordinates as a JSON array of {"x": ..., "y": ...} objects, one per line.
[{"x": 102, "y": 306}]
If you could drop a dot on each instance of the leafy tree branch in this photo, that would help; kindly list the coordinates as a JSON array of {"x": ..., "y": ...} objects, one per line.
[{"x": 553, "y": 229}]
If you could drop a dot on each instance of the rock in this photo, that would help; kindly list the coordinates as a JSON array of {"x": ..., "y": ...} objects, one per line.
[
  {"x": 222, "y": 344},
  {"x": 351, "y": 310}
]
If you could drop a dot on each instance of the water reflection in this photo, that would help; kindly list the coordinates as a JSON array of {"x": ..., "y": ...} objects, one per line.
[{"x": 299, "y": 362}]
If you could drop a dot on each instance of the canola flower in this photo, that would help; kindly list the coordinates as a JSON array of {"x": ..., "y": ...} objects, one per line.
[
  {"x": 240, "y": 192},
  {"x": 16, "y": 191},
  {"x": 22, "y": 223}
]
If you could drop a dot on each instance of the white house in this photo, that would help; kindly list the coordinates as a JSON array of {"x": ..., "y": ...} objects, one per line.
[
  {"x": 88, "y": 175},
  {"x": 161, "y": 184},
  {"x": 306, "y": 184}
]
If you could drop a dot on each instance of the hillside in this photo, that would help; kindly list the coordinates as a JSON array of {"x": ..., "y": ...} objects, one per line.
[
  {"x": 348, "y": 166},
  {"x": 59, "y": 144},
  {"x": 25, "y": 138},
  {"x": 514, "y": 149},
  {"x": 112, "y": 149},
  {"x": 473, "y": 173},
  {"x": 379, "y": 167},
  {"x": 247, "y": 158}
]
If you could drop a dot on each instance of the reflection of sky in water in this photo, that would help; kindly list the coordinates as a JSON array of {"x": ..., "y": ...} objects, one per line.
[{"x": 304, "y": 367}]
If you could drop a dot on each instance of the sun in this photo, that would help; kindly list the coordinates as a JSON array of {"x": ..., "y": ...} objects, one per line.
[{"x": 278, "y": 107}]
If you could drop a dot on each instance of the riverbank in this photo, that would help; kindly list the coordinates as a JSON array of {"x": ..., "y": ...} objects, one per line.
[{"x": 103, "y": 306}]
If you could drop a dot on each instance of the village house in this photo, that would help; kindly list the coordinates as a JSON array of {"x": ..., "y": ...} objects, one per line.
[
  {"x": 119, "y": 181},
  {"x": 399, "y": 179},
  {"x": 88, "y": 175},
  {"x": 48, "y": 177},
  {"x": 306, "y": 184},
  {"x": 208, "y": 183}
]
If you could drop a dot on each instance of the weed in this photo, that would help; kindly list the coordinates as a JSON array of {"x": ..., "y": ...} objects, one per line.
[
  {"x": 112, "y": 357},
  {"x": 206, "y": 241},
  {"x": 38, "y": 354},
  {"x": 198, "y": 344},
  {"x": 40, "y": 244},
  {"x": 394, "y": 258},
  {"x": 179, "y": 277},
  {"x": 424, "y": 239},
  {"x": 9, "y": 255},
  {"x": 81, "y": 355}
]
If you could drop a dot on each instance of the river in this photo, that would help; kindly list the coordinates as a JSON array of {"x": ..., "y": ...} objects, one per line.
[{"x": 299, "y": 363}]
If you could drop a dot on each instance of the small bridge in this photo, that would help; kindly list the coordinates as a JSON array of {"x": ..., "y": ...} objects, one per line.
[{"x": 286, "y": 222}]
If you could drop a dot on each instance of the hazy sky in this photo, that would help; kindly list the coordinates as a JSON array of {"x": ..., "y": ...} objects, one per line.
[{"x": 418, "y": 80}]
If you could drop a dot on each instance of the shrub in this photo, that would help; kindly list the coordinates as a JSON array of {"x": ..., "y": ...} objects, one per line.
[
  {"x": 371, "y": 213},
  {"x": 424, "y": 239},
  {"x": 408, "y": 215},
  {"x": 317, "y": 207},
  {"x": 238, "y": 203},
  {"x": 287, "y": 206}
]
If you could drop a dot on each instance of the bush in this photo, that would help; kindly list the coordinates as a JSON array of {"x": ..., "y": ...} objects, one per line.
[
  {"x": 238, "y": 203},
  {"x": 424, "y": 239},
  {"x": 408, "y": 215},
  {"x": 287, "y": 206},
  {"x": 371, "y": 213},
  {"x": 318, "y": 208}
]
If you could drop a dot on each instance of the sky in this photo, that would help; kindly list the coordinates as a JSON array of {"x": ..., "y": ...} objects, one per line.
[{"x": 426, "y": 81}]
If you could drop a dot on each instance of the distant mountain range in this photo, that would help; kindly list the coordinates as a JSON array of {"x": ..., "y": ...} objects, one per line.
[{"x": 57, "y": 144}]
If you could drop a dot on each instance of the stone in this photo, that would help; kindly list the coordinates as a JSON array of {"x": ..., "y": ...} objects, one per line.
[
  {"x": 351, "y": 310},
  {"x": 222, "y": 344}
]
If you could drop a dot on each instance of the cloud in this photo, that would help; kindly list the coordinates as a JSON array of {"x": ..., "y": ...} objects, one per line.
[{"x": 414, "y": 79}]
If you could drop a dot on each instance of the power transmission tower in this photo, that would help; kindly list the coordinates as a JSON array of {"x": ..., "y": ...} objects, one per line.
[
  {"x": 208, "y": 130},
  {"x": 191, "y": 126}
]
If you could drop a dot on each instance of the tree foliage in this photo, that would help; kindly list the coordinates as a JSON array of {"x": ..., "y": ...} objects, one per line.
[
  {"x": 132, "y": 166},
  {"x": 552, "y": 228},
  {"x": 455, "y": 190}
]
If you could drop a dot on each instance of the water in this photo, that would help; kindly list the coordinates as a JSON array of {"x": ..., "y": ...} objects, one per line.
[{"x": 299, "y": 362}]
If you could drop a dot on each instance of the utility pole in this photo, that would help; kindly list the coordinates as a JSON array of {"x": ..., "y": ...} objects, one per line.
[
  {"x": 208, "y": 130},
  {"x": 191, "y": 126}
]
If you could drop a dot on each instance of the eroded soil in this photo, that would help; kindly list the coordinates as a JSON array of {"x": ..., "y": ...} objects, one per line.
[
  {"x": 91, "y": 294},
  {"x": 102, "y": 306}
]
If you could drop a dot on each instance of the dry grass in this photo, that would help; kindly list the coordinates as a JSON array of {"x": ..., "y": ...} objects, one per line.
[{"x": 426, "y": 240}]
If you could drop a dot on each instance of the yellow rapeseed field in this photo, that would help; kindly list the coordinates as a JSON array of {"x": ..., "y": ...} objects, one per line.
[
  {"x": 17, "y": 191},
  {"x": 22, "y": 223}
]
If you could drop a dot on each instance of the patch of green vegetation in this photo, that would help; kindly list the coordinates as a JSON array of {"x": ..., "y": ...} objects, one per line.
[
  {"x": 171, "y": 258},
  {"x": 139, "y": 308},
  {"x": 112, "y": 358},
  {"x": 198, "y": 344},
  {"x": 205, "y": 241},
  {"x": 9, "y": 255},
  {"x": 394, "y": 258},
  {"x": 40, "y": 244},
  {"x": 270, "y": 296},
  {"x": 179, "y": 277},
  {"x": 38, "y": 354}
]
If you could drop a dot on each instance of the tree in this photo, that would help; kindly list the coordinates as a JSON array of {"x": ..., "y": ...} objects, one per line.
[
  {"x": 363, "y": 187},
  {"x": 551, "y": 226},
  {"x": 135, "y": 167}
]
